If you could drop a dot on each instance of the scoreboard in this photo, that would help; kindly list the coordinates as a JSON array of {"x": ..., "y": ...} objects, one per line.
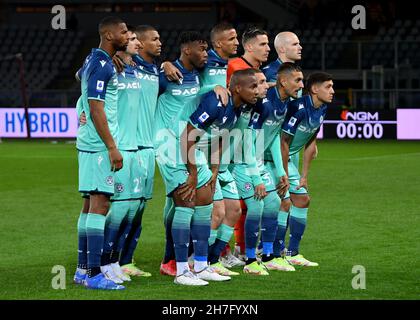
[{"x": 400, "y": 124}]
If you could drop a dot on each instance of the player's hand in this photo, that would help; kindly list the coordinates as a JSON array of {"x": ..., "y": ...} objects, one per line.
[
  {"x": 188, "y": 189},
  {"x": 303, "y": 183},
  {"x": 118, "y": 63},
  {"x": 260, "y": 192},
  {"x": 82, "y": 119},
  {"x": 171, "y": 72},
  {"x": 222, "y": 94},
  {"x": 116, "y": 159},
  {"x": 283, "y": 186}
]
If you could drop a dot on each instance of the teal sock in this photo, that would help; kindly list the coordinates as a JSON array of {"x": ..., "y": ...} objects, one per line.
[
  {"x": 82, "y": 250},
  {"x": 298, "y": 217},
  {"x": 95, "y": 226},
  {"x": 213, "y": 235}
]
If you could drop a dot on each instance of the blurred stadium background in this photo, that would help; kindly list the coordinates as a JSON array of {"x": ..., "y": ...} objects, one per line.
[{"x": 368, "y": 216}]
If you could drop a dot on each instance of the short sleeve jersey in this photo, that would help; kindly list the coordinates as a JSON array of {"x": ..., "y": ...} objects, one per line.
[
  {"x": 302, "y": 121},
  {"x": 98, "y": 82}
]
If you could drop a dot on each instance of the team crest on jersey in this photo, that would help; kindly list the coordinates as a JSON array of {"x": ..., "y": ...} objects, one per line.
[
  {"x": 248, "y": 186},
  {"x": 203, "y": 117},
  {"x": 119, "y": 187},
  {"x": 109, "y": 180},
  {"x": 100, "y": 86}
]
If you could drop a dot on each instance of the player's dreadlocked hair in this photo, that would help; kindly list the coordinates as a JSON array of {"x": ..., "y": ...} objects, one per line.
[{"x": 187, "y": 37}]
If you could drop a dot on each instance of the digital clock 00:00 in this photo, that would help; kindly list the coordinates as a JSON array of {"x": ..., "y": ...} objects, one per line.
[{"x": 360, "y": 125}]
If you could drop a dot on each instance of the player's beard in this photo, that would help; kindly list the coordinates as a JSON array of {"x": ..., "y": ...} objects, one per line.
[{"x": 122, "y": 47}]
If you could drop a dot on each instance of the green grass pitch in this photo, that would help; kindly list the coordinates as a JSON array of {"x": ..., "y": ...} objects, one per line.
[{"x": 364, "y": 211}]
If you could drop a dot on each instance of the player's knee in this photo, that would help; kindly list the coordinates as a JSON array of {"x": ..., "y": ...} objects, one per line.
[
  {"x": 272, "y": 202},
  {"x": 218, "y": 214},
  {"x": 302, "y": 201},
  {"x": 285, "y": 205}
]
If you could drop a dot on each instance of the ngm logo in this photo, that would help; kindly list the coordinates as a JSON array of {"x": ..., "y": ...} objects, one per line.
[
  {"x": 217, "y": 72},
  {"x": 359, "y": 116},
  {"x": 185, "y": 92}
]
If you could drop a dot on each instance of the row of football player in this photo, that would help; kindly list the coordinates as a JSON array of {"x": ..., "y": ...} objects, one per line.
[{"x": 108, "y": 237}]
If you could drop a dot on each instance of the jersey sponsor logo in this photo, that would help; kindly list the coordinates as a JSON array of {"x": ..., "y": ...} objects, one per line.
[
  {"x": 103, "y": 63},
  {"x": 145, "y": 76},
  {"x": 269, "y": 122},
  {"x": 292, "y": 121},
  {"x": 130, "y": 85},
  {"x": 305, "y": 129},
  {"x": 109, "y": 180},
  {"x": 217, "y": 72},
  {"x": 185, "y": 92},
  {"x": 203, "y": 117},
  {"x": 100, "y": 86}
]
